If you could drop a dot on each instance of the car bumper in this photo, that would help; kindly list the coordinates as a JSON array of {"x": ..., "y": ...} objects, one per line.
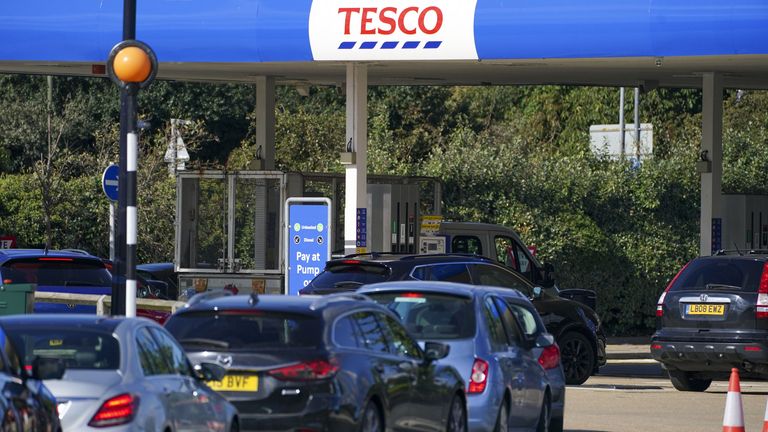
[
  {"x": 711, "y": 356},
  {"x": 318, "y": 415},
  {"x": 482, "y": 410}
]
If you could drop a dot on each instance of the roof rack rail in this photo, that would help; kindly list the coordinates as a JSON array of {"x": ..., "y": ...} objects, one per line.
[
  {"x": 208, "y": 295},
  {"x": 447, "y": 254},
  {"x": 324, "y": 300},
  {"x": 376, "y": 254},
  {"x": 722, "y": 252}
]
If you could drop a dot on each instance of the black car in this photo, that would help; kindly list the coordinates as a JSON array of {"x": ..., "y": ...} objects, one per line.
[
  {"x": 335, "y": 363},
  {"x": 575, "y": 326},
  {"x": 712, "y": 317},
  {"x": 26, "y": 404}
]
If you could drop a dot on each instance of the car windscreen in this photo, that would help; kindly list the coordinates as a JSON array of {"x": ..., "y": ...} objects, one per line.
[
  {"x": 247, "y": 330},
  {"x": 431, "y": 316},
  {"x": 350, "y": 276},
  {"x": 78, "y": 348},
  {"x": 57, "y": 272},
  {"x": 720, "y": 274}
]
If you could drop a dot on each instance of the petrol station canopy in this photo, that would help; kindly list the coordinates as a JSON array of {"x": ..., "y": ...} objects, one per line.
[{"x": 646, "y": 43}]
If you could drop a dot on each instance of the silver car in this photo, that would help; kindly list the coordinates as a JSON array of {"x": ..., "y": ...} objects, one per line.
[{"x": 121, "y": 374}]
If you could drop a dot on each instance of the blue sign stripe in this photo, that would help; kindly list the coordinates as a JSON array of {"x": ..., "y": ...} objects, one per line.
[
  {"x": 619, "y": 28},
  {"x": 270, "y": 31},
  {"x": 368, "y": 45}
]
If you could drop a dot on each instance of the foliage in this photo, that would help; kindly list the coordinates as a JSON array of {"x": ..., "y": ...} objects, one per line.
[{"x": 518, "y": 156}]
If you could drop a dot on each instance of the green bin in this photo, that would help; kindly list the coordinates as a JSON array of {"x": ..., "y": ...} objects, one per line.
[{"x": 17, "y": 299}]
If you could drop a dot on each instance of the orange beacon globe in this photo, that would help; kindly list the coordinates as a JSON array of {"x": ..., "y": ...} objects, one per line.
[{"x": 132, "y": 64}]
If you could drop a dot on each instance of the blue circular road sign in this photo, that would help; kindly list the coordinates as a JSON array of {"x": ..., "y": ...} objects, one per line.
[{"x": 109, "y": 181}]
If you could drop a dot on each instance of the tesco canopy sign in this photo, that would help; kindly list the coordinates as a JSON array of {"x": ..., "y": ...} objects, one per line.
[{"x": 392, "y": 30}]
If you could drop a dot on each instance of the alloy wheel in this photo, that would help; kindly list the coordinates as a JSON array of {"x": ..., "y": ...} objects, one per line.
[{"x": 577, "y": 357}]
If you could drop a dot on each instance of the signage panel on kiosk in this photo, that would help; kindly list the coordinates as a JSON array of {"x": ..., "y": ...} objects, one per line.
[{"x": 307, "y": 240}]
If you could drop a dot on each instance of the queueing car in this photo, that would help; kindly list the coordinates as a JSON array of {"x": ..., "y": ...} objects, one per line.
[
  {"x": 67, "y": 271},
  {"x": 498, "y": 344},
  {"x": 336, "y": 363},
  {"x": 713, "y": 316},
  {"x": 576, "y": 327},
  {"x": 26, "y": 403},
  {"x": 121, "y": 374}
]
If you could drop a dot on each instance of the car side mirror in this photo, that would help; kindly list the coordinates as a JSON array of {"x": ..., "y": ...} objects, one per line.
[
  {"x": 537, "y": 291},
  {"x": 209, "y": 372},
  {"x": 435, "y": 351},
  {"x": 46, "y": 368}
]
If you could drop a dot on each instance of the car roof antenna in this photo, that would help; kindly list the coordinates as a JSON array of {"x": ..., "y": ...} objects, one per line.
[{"x": 737, "y": 249}]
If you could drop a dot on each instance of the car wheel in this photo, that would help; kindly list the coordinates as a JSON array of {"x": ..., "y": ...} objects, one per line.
[
  {"x": 578, "y": 357},
  {"x": 457, "y": 416},
  {"x": 502, "y": 421},
  {"x": 544, "y": 416},
  {"x": 372, "y": 421},
  {"x": 683, "y": 381}
]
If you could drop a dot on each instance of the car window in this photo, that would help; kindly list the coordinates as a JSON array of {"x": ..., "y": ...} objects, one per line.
[
  {"x": 505, "y": 251},
  {"x": 495, "y": 276},
  {"x": 523, "y": 261},
  {"x": 466, "y": 244},
  {"x": 448, "y": 273},
  {"x": 373, "y": 334},
  {"x": 514, "y": 334},
  {"x": 346, "y": 334},
  {"x": 495, "y": 326},
  {"x": 14, "y": 360},
  {"x": 431, "y": 316},
  {"x": 703, "y": 274},
  {"x": 526, "y": 318},
  {"x": 245, "y": 330},
  {"x": 172, "y": 352},
  {"x": 78, "y": 348},
  {"x": 152, "y": 359},
  {"x": 400, "y": 342},
  {"x": 350, "y": 275},
  {"x": 57, "y": 272}
]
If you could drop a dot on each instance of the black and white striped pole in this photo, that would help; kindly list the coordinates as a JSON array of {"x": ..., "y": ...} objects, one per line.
[{"x": 132, "y": 65}]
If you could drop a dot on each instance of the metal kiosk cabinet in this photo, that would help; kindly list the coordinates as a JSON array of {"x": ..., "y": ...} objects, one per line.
[{"x": 16, "y": 299}]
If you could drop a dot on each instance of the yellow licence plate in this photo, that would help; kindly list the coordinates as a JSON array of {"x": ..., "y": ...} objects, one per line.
[
  {"x": 706, "y": 309},
  {"x": 248, "y": 383}
]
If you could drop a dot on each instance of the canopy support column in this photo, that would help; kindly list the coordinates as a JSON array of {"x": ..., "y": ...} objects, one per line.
[
  {"x": 711, "y": 163},
  {"x": 356, "y": 191},
  {"x": 265, "y": 122}
]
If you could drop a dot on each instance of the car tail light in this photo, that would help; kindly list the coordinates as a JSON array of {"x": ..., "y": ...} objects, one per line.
[
  {"x": 351, "y": 262},
  {"x": 411, "y": 295},
  {"x": 56, "y": 259},
  {"x": 761, "y": 309},
  {"x": 550, "y": 357},
  {"x": 116, "y": 411},
  {"x": 660, "y": 303},
  {"x": 306, "y": 371},
  {"x": 478, "y": 379}
]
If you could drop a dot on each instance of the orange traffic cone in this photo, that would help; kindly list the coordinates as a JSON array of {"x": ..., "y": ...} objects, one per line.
[
  {"x": 733, "y": 419},
  {"x": 765, "y": 419}
]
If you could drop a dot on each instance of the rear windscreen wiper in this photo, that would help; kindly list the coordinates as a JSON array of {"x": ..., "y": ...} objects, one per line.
[
  {"x": 81, "y": 283},
  {"x": 205, "y": 342},
  {"x": 722, "y": 287},
  {"x": 345, "y": 284}
]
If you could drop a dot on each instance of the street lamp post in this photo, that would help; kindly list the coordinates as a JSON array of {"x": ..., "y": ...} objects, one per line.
[{"x": 132, "y": 65}]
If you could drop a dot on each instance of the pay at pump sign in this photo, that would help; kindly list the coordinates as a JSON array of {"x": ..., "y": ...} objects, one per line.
[{"x": 308, "y": 245}]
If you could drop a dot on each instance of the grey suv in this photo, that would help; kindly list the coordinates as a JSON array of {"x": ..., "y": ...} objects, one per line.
[{"x": 712, "y": 317}]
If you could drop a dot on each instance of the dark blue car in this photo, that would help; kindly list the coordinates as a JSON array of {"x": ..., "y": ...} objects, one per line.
[{"x": 56, "y": 271}]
